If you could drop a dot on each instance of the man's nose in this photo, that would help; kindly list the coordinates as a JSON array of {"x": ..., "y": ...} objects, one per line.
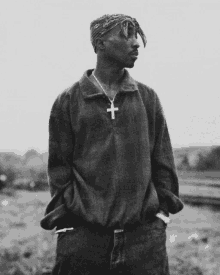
[{"x": 135, "y": 43}]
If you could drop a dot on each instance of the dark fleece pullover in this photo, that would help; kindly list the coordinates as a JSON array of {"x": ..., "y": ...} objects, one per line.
[{"x": 109, "y": 172}]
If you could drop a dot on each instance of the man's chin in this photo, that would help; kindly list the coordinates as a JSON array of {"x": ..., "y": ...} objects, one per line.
[
  {"x": 127, "y": 64},
  {"x": 131, "y": 65}
]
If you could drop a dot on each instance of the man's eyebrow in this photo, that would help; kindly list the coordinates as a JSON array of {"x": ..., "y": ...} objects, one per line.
[{"x": 131, "y": 26}]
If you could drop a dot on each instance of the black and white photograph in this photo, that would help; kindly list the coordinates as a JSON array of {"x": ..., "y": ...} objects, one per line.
[{"x": 109, "y": 137}]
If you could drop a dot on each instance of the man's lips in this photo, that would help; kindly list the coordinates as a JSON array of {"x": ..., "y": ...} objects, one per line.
[{"x": 134, "y": 53}]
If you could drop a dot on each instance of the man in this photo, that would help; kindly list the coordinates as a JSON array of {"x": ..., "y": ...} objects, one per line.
[{"x": 111, "y": 170}]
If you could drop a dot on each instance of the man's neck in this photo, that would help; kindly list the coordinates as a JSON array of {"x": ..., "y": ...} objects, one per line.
[{"x": 110, "y": 76}]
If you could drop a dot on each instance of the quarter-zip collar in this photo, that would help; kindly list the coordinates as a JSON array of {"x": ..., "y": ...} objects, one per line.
[{"x": 89, "y": 90}]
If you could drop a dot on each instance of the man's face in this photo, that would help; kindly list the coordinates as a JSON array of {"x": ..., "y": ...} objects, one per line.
[{"x": 121, "y": 50}]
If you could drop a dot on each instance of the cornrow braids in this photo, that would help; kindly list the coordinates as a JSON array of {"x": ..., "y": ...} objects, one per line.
[{"x": 107, "y": 22}]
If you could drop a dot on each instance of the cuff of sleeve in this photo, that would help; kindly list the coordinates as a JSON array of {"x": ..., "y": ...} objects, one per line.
[
  {"x": 163, "y": 217},
  {"x": 164, "y": 210}
]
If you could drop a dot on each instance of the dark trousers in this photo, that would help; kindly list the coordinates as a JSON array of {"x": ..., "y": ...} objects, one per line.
[{"x": 141, "y": 250}]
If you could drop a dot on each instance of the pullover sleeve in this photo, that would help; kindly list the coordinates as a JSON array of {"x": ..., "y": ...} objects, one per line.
[
  {"x": 163, "y": 167},
  {"x": 61, "y": 144}
]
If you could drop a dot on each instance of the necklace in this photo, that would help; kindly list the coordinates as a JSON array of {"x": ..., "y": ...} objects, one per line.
[{"x": 113, "y": 108}]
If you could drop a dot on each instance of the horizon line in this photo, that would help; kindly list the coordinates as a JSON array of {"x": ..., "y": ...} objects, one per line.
[{"x": 42, "y": 151}]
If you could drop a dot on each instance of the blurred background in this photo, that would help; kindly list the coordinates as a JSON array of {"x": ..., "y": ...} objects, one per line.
[{"x": 44, "y": 48}]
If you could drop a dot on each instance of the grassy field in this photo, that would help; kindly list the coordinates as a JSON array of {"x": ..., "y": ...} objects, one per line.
[
  {"x": 196, "y": 175},
  {"x": 193, "y": 238}
]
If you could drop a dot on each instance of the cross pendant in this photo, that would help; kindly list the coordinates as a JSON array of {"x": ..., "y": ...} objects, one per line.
[{"x": 112, "y": 110}]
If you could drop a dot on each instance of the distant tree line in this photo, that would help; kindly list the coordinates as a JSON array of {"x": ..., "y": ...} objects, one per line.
[
  {"x": 30, "y": 170},
  {"x": 208, "y": 161},
  {"x": 24, "y": 172}
]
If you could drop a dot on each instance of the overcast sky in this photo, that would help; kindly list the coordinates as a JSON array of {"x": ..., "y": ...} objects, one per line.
[{"x": 45, "y": 48}]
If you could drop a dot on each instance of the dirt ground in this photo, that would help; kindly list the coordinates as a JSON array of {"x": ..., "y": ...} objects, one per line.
[{"x": 193, "y": 238}]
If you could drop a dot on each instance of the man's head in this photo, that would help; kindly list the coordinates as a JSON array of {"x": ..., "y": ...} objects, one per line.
[{"x": 114, "y": 37}]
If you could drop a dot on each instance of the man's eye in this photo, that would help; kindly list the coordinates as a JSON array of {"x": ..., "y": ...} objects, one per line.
[{"x": 132, "y": 34}]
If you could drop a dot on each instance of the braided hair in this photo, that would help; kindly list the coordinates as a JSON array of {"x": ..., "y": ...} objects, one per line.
[{"x": 107, "y": 22}]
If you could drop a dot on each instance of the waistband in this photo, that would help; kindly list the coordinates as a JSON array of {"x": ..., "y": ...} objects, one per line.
[{"x": 99, "y": 228}]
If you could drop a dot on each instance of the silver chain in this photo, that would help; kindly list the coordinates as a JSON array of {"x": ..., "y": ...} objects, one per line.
[{"x": 102, "y": 88}]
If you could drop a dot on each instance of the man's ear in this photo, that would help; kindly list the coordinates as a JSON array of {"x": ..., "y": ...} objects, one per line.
[{"x": 100, "y": 44}]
